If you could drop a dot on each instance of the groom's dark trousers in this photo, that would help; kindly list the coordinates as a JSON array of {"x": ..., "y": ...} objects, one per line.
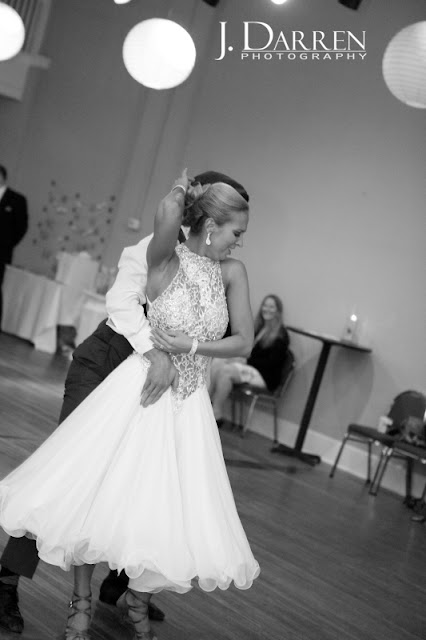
[{"x": 93, "y": 361}]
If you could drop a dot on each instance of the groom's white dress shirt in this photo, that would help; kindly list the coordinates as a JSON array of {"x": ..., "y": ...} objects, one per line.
[{"x": 127, "y": 295}]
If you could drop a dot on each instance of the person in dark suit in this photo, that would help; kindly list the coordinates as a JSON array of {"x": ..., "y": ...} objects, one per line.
[
  {"x": 126, "y": 330},
  {"x": 13, "y": 224}
]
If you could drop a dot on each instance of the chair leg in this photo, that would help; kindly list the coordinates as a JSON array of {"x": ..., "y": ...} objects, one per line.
[
  {"x": 377, "y": 471},
  {"x": 385, "y": 456},
  {"x": 249, "y": 416},
  {"x": 275, "y": 423},
  {"x": 241, "y": 420},
  {"x": 336, "y": 462},
  {"x": 234, "y": 401},
  {"x": 369, "y": 463},
  {"x": 237, "y": 409}
]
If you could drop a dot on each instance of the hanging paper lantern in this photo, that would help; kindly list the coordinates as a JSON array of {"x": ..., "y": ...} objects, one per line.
[
  {"x": 121, "y": 1},
  {"x": 404, "y": 65},
  {"x": 12, "y": 32},
  {"x": 159, "y": 53}
]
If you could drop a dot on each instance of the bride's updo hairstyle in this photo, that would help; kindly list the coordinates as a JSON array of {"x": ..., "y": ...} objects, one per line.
[{"x": 217, "y": 201}]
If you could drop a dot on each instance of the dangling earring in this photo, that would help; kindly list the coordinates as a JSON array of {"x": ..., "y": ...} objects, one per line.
[{"x": 208, "y": 241}]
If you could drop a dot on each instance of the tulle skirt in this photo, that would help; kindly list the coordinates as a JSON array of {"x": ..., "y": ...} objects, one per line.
[{"x": 143, "y": 489}]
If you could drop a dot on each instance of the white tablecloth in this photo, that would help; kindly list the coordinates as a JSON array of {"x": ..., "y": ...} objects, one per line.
[
  {"x": 31, "y": 307},
  {"x": 78, "y": 271},
  {"x": 34, "y": 305}
]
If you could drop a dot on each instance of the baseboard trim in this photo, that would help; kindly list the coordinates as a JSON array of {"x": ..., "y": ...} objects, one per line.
[{"x": 353, "y": 460}]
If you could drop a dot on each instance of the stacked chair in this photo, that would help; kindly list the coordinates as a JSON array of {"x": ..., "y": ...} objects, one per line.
[
  {"x": 409, "y": 404},
  {"x": 405, "y": 451}
]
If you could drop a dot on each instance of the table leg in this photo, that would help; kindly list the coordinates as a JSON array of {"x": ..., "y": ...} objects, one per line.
[{"x": 296, "y": 451}]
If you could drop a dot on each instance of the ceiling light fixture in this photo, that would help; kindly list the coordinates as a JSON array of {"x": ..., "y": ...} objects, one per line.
[
  {"x": 12, "y": 32},
  {"x": 404, "y": 65},
  {"x": 159, "y": 53}
]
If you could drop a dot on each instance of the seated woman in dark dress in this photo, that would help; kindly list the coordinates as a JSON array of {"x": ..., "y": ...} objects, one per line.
[{"x": 263, "y": 367}]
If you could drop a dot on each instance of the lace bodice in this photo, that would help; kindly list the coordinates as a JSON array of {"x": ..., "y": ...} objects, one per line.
[{"x": 193, "y": 302}]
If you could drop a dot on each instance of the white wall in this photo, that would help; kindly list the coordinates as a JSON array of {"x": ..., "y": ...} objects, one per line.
[{"x": 335, "y": 167}]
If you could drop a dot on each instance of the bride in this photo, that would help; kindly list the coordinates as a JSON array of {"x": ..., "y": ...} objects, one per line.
[{"x": 86, "y": 494}]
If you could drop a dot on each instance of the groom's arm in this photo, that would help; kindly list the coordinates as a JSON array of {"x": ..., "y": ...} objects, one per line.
[
  {"x": 126, "y": 316},
  {"x": 127, "y": 295}
]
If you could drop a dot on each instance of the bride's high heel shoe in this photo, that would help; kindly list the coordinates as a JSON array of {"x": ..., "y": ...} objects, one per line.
[
  {"x": 74, "y": 633},
  {"x": 137, "y": 603}
]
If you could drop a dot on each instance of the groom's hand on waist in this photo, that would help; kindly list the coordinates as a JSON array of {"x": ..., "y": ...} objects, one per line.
[{"x": 161, "y": 375}]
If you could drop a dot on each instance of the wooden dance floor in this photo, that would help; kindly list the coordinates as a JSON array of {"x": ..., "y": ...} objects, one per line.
[{"x": 336, "y": 564}]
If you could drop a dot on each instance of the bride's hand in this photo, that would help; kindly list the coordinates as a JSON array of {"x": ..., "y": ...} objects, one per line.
[
  {"x": 182, "y": 181},
  {"x": 171, "y": 341}
]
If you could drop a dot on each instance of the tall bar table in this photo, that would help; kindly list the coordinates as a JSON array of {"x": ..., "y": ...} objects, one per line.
[{"x": 327, "y": 343}]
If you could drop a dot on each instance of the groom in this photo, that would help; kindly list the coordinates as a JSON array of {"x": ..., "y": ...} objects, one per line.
[{"x": 126, "y": 330}]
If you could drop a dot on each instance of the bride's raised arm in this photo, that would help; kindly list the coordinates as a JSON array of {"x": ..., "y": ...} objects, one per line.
[{"x": 167, "y": 223}]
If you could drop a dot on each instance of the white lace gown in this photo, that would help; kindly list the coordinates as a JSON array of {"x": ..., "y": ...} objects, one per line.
[{"x": 143, "y": 489}]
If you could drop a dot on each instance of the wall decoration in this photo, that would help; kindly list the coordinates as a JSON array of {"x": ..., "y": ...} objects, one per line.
[{"x": 72, "y": 224}]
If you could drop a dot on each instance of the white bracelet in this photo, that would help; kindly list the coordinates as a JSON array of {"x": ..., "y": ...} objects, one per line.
[
  {"x": 194, "y": 347},
  {"x": 180, "y": 186}
]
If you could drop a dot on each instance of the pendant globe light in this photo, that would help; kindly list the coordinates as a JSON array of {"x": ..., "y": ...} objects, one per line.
[
  {"x": 404, "y": 65},
  {"x": 159, "y": 53},
  {"x": 12, "y": 32}
]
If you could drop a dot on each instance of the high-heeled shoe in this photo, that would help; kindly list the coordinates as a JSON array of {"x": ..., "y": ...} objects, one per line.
[
  {"x": 137, "y": 604},
  {"x": 72, "y": 633}
]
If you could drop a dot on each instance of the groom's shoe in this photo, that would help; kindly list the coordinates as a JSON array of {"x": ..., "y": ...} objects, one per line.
[
  {"x": 155, "y": 613},
  {"x": 10, "y": 616},
  {"x": 113, "y": 587}
]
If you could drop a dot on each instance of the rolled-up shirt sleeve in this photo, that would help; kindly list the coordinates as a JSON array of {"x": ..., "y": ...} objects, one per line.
[{"x": 127, "y": 295}]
